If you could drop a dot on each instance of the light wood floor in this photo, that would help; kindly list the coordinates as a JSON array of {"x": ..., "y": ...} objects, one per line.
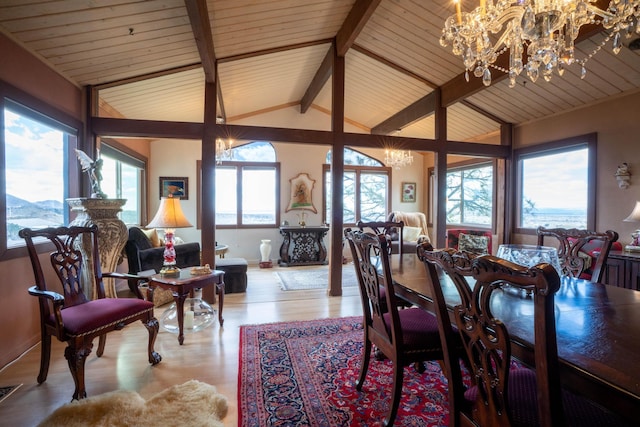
[{"x": 210, "y": 356}]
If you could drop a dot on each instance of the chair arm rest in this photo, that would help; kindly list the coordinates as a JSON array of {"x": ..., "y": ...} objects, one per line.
[{"x": 51, "y": 295}]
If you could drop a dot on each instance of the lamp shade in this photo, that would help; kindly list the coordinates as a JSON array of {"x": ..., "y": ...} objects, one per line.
[
  {"x": 169, "y": 215},
  {"x": 634, "y": 216}
]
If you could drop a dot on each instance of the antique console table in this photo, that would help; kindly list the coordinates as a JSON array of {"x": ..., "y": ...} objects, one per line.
[{"x": 303, "y": 246}]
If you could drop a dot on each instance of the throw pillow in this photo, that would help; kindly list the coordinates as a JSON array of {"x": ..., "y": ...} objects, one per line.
[
  {"x": 473, "y": 244},
  {"x": 411, "y": 234},
  {"x": 152, "y": 235}
]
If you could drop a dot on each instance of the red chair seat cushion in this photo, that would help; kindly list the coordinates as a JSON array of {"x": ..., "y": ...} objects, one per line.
[
  {"x": 418, "y": 328},
  {"x": 579, "y": 412},
  {"x": 87, "y": 318}
]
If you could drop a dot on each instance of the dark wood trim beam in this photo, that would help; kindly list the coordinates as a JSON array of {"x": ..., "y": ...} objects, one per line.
[
  {"x": 419, "y": 144},
  {"x": 318, "y": 82},
  {"x": 393, "y": 65},
  {"x": 222, "y": 113},
  {"x": 414, "y": 112},
  {"x": 354, "y": 23},
  {"x": 148, "y": 76},
  {"x": 201, "y": 27},
  {"x": 110, "y": 127},
  {"x": 487, "y": 114},
  {"x": 207, "y": 197},
  {"x": 253, "y": 54}
]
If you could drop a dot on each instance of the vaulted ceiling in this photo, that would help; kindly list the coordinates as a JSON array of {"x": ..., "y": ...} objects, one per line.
[{"x": 151, "y": 60}]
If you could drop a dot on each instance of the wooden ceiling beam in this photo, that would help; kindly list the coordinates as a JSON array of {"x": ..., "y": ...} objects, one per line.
[
  {"x": 346, "y": 36},
  {"x": 201, "y": 27},
  {"x": 408, "y": 115},
  {"x": 352, "y": 26}
]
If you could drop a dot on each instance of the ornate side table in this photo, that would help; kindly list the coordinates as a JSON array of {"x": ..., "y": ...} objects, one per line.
[{"x": 303, "y": 246}]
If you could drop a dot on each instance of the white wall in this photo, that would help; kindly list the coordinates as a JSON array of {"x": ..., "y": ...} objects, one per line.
[{"x": 177, "y": 158}]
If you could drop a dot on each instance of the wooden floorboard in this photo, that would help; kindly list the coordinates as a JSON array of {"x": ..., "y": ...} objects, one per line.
[{"x": 210, "y": 356}]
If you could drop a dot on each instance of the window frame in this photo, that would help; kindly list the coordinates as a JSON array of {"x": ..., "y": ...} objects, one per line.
[
  {"x": 474, "y": 164},
  {"x": 357, "y": 170},
  {"x": 38, "y": 110},
  {"x": 239, "y": 166},
  {"x": 589, "y": 141},
  {"x": 126, "y": 155}
]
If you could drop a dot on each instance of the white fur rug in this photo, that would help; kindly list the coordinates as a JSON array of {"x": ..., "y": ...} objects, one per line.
[{"x": 193, "y": 404}]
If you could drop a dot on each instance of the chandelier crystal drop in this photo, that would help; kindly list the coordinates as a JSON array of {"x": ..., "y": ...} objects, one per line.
[
  {"x": 223, "y": 150},
  {"x": 543, "y": 30},
  {"x": 398, "y": 158}
]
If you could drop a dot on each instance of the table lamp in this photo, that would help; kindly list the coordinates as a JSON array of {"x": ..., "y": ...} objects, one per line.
[
  {"x": 634, "y": 216},
  {"x": 169, "y": 217}
]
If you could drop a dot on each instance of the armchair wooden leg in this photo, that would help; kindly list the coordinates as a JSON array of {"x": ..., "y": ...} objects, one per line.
[
  {"x": 396, "y": 392},
  {"x": 45, "y": 356},
  {"x": 76, "y": 354},
  {"x": 102, "y": 341},
  {"x": 220, "y": 289},
  {"x": 152, "y": 326},
  {"x": 366, "y": 357}
]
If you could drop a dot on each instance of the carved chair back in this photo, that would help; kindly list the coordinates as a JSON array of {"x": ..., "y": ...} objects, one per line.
[
  {"x": 390, "y": 228},
  {"x": 574, "y": 260},
  {"x": 371, "y": 260},
  {"x": 67, "y": 261},
  {"x": 486, "y": 339}
]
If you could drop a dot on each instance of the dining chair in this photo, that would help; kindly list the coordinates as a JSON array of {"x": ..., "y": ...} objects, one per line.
[
  {"x": 502, "y": 393},
  {"x": 69, "y": 315},
  {"x": 391, "y": 228},
  {"x": 582, "y": 253},
  {"x": 404, "y": 336}
]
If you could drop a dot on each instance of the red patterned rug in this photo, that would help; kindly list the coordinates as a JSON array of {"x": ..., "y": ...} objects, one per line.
[{"x": 304, "y": 373}]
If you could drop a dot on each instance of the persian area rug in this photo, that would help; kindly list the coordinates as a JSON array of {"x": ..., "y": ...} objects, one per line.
[
  {"x": 193, "y": 403},
  {"x": 313, "y": 277},
  {"x": 304, "y": 374},
  {"x": 7, "y": 391}
]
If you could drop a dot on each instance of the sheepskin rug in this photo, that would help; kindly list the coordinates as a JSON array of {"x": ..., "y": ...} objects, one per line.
[{"x": 193, "y": 403}]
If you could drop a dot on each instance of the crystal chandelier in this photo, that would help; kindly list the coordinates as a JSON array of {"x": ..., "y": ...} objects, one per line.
[
  {"x": 397, "y": 158},
  {"x": 547, "y": 29},
  {"x": 223, "y": 150}
]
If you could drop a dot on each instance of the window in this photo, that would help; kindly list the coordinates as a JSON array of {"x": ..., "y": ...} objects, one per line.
[
  {"x": 36, "y": 149},
  {"x": 123, "y": 177},
  {"x": 247, "y": 188},
  {"x": 555, "y": 186},
  {"x": 366, "y": 187},
  {"x": 470, "y": 195}
]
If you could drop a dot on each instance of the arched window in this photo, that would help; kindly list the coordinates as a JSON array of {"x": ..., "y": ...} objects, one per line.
[
  {"x": 247, "y": 190},
  {"x": 366, "y": 188}
]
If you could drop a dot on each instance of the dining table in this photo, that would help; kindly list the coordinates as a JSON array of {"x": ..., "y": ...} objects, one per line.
[{"x": 597, "y": 326}]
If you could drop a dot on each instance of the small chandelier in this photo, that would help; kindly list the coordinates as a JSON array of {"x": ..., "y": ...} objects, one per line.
[
  {"x": 223, "y": 150},
  {"x": 547, "y": 29},
  {"x": 397, "y": 158}
]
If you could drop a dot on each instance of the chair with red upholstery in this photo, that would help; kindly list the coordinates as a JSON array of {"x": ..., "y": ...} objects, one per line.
[
  {"x": 501, "y": 393},
  {"x": 404, "y": 336},
  {"x": 582, "y": 253},
  {"x": 65, "y": 311}
]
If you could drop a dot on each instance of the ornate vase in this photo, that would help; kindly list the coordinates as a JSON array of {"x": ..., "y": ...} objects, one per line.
[
  {"x": 112, "y": 236},
  {"x": 265, "y": 253}
]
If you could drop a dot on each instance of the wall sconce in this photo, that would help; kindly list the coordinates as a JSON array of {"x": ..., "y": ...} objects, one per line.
[{"x": 623, "y": 176}]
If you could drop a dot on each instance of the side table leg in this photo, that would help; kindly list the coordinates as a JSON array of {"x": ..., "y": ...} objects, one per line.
[
  {"x": 180, "y": 315},
  {"x": 220, "y": 287}
]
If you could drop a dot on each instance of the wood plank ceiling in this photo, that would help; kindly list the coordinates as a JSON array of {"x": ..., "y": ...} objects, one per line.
[{"x": 271, "y": 54}]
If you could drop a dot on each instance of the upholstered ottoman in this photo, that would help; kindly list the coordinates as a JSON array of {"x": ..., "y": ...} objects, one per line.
[{"x": 235, "y": 274}]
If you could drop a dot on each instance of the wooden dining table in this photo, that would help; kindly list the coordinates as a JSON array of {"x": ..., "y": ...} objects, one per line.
[{"x": 598, "y": 331}]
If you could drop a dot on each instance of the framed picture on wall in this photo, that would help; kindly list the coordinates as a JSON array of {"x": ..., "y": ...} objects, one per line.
[
  {"x": 409, "y": 192},
  {"x": 175, "y": 186}
]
